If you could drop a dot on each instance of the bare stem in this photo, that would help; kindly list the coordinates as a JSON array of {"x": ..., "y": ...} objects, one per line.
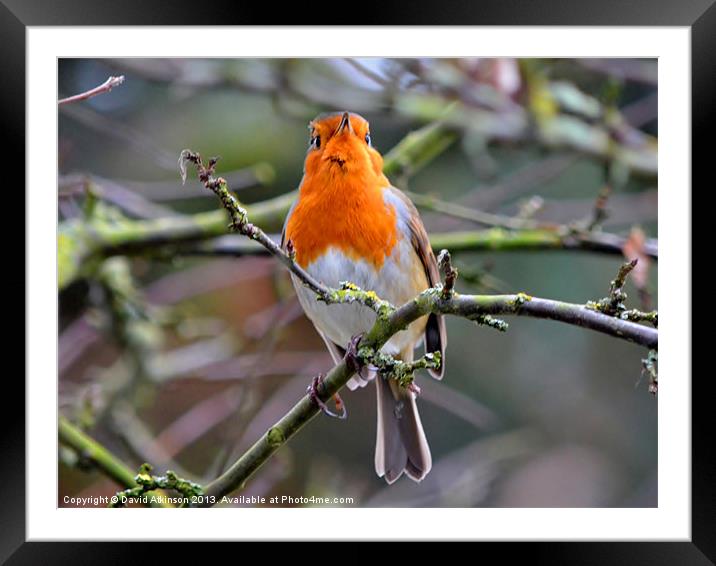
[
  {"x": 106, "y": 86},
  {"x": 613, "y": 305},
  {"x": 240, "y": 222}
]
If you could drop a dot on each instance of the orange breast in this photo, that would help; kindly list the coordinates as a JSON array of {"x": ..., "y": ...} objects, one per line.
[{"x": 346, "y": 212}]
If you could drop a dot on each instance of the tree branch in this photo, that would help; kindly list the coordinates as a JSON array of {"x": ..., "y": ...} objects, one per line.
[
  {"x": 527, "y": 232},
  {"x": 498, "y": 239},
  {"x": 240, "y": 222},
  {"x": 106, "y": 86},
  {"x": 89, "y": 449},
  {"x": 146, "y": 483},
  {"x": 493, "y": 239},
  {"x": 431, "y": 301},
  {"x": 390, "y": 320}
]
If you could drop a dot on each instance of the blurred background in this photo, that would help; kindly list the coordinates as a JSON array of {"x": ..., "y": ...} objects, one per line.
[{"x": 182, "y": 350}]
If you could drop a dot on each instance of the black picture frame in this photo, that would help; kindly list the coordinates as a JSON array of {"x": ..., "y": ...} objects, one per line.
[{"x": 698, "y": 15}]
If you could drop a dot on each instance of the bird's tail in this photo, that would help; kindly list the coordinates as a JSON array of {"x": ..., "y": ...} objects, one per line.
[{"x": 400, "y": 444}]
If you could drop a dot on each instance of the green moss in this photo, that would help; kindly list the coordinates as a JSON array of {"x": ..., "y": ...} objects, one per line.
[
  {"x": 144, "y": 477},
  {"x": 68, "y": 259},
  {"x": 275, "y": 437},
  {"x": 350, "y": 293},
  {"x": 492, "y": 322}
]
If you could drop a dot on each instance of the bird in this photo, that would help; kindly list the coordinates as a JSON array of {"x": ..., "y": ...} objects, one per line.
[{"x": 348, "y": 223}]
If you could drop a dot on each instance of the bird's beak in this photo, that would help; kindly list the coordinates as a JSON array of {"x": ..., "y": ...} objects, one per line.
[{"x": 345, "y": 123}]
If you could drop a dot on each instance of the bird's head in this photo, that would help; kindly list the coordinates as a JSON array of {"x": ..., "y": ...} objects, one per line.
[{"x": 340, "y": 144}]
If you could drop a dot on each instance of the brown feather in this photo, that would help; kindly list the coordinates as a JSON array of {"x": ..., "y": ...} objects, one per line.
[
  {"x": 435, "y": 331},
  {"x": 401, "y": 445}
]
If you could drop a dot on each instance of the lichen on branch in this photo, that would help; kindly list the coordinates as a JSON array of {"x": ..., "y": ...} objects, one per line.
[
  {"x": 401, "y": 371},
  {"x": 147, "y": 482},
  {"x": 449, "y": 273},
  {"x": 350, "y": 293},
  {"x": 613, "y": 304}
]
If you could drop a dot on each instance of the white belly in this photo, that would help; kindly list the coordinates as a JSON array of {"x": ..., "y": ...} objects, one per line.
[{"x": 392, "y": 283}]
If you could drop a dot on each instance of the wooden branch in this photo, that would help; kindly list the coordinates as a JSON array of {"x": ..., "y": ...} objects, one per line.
[
  {"x": 106, "y": 86},
  {"x": 431, "y": 301},
  {"x": 489, "y": 240},
  {"x": 390, "y": 320}
]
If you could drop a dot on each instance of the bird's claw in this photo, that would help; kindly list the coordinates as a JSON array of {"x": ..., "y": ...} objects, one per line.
[
  {"x": 351, "y": 357},
  {"x": 312, "y": 391},
  {"x": 412, "y": 386}
]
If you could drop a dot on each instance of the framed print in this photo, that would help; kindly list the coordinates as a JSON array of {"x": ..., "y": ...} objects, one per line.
[{"x": 406, "y": 275}]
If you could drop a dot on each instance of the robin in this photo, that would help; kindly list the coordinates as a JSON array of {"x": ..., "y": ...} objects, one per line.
[{"x": 349, "y": 224}]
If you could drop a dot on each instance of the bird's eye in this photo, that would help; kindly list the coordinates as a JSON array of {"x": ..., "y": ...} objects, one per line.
[
  {"x": 367, "y": 139},
  {"x": 315, "y": 141}
]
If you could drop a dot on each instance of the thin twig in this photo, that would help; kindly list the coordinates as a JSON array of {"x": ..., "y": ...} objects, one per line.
[
  {"x": 462, "y": 212},
  {"x": 613, "y": 304},
  {"x": 365, "y": 71},
  {"x": 600, "y": 212},
  {"x": 106, "y": 86},
  {"x": 449, "y": 273},
  {"x": 552, "y": 235},
  {"x": 240, "y": 222}
]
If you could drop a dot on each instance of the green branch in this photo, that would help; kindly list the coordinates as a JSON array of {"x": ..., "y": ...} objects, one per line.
[
  {"x": 490, "y": 240},
  {"x": 513, "y": 232},
  {"x": 146, "y": 483},
  {"x": 500, "y": 239},
  {"x": 92, "y": 451},
  {"x": 84, "y": 242}
]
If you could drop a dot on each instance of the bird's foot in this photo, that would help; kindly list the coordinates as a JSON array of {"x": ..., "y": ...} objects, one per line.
[
  {"x": 351, "y": 358},
  {"x": 312, "y": 391}
]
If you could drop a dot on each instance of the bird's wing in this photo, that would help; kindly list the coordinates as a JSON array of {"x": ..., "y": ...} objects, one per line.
[
  {"x": 435, "y": 332},
  {"x": 285, "y": 223}
]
